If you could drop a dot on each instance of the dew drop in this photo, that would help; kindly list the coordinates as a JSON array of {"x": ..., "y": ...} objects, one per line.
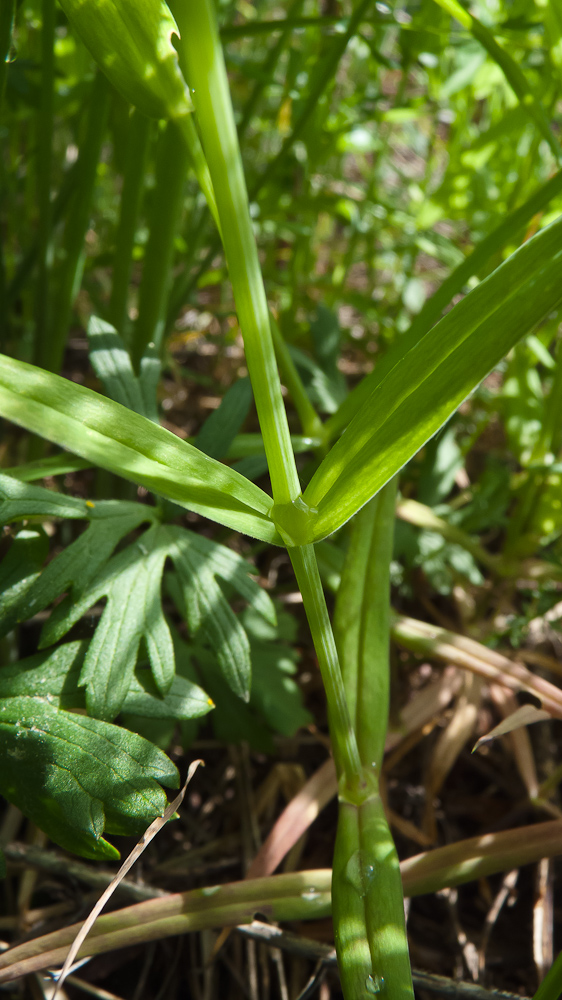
[
  {"x": 210, "y": 890},
  {"x": 360, "y": 873},
  {"x": 374, "y": 985},
  {"x": 310, "y": 895}
]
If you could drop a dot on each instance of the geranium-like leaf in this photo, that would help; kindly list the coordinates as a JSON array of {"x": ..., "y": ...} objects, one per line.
[{"x": 74, "y": 776}]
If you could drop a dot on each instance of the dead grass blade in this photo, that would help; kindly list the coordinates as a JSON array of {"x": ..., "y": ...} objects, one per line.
[
  {"x": 295, "y": 820},
  {"x": 525, "y": 715},
  {"x": 430, "y": 640},
  {"x": 449, "y": 745},
  {"x": 135, "y": 854},
  {"x": 519, "y": 740}
]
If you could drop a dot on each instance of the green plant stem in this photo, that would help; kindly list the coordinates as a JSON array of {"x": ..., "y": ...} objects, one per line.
[
  {"x": 367, "y": 899},
  {"x": 7, "y": 14},
  {"x": 45, "y": 118},
  {"x": 50, "y": 350},
  {"x": 325, "y": 70},
  {"x": 171, "y": 165},
  {"x": 294, "y": 896},
  {"x": 310, "y": 421},
  {"x": 346, "y": 754},
  {"x": 29, "y": 260},
  {"x": 206, "y": 72},
  {"x": 373, "y": 673},
  {"x": 192, "y": 141},
  {"x": 140, "y": 131}
]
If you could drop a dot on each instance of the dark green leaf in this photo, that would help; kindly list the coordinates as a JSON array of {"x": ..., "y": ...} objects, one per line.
[
  {"x": 18, "y": 572},
  {"x": 73, "y": 775},
  {"x": 220, "y": 429}
]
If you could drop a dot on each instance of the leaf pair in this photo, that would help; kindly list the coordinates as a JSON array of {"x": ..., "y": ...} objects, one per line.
[{"x": 407, "y": 406}]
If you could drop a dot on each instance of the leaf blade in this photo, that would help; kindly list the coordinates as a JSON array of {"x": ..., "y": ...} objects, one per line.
[
  {"x": 133, "y": 447},
  {"x": 433, "y": 378}
]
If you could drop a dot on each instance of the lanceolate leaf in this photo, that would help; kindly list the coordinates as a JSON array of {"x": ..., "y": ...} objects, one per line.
[
  {"x": 63, "y": 771},
  {"x": 111, "y": 362},
  {"x": 132, "y": 42},
  {"x": 128, "y": 444},
  {"x": 222, "y": 426},
  {"x": 509, "y": 230},
  {"x": 431, "y": 380}
]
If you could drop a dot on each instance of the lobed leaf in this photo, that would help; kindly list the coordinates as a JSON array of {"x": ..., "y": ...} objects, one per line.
[
  {"x": 55, "y": 676},
  {"x": 208, "y": 609},
  {"x": 75, "y": 776},
  {"x": 130, "y": 582}
]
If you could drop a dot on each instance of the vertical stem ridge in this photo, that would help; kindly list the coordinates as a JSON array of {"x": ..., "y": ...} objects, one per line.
[{"x": 200, "y": 45}]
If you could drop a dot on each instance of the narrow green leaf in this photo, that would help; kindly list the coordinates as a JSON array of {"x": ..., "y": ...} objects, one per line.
[
  {"x": 132, "y": 42},
  {"x": 149, "y": 377},
  {"x": 112, "y": 364},
  {"x": 220, "y": 429},
  {"x": 509, "y": 230},
  {"x": 128, "y": 444},
  {"x": 18, "y": 501},
  {"x": 62, "y": 770},
  {"x": 56, "y": 465},
  {"x": 430, "y": 381}
]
